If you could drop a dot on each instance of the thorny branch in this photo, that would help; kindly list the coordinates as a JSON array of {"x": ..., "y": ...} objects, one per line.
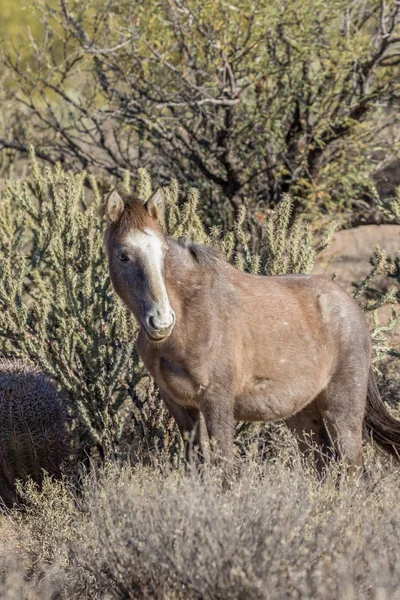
[{"x": 237, "y": 105}]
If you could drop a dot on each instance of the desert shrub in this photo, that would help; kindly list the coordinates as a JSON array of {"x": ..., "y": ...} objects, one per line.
[
  {"x": 33, "y": 427},
  {"x": 248, "y": 100},
  {"x": 57, "y": 308},
  {"x": 152, "y": 533},
  {"x": 371, "y": 299},
  {"x": 390, "y": 207},
  {"x": 276, "y": 246}
]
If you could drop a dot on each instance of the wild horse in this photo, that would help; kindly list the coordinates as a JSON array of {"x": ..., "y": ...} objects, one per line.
[{"x": 226, "y": 346}]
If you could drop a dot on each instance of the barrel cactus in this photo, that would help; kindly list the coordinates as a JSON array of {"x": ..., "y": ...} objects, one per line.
[{"x": 33, "y": 427}]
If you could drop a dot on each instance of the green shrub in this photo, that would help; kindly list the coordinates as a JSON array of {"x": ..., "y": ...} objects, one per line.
[
  {"x": 371, "y": 299},
  {"x": 247, "y": 99},
  {"x": 58, "y": 310},
  {"x": 57, "y": 307}
]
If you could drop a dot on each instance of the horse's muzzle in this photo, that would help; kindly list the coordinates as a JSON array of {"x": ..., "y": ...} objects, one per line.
[{"x": 158, "y": 328}]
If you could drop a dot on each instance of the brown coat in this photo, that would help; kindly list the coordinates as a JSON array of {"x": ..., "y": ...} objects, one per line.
[{"x": 224, "y": 345}]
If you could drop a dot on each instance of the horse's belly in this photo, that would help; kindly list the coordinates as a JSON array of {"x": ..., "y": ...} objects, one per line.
[{"x": 269, "y": 401}]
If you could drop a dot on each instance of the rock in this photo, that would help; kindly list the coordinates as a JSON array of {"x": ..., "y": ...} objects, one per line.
[
  {"x": 351, "y": 249},
  {"x": 349, "y": 257}
]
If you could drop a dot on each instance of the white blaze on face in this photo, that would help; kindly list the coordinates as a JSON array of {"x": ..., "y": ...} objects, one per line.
[
  {"x": 150, "y": 246},
  {"x": 149, "y": 243}
]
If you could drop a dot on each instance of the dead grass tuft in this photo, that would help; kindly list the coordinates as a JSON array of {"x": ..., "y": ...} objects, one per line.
[{"x": 153, "y": 532}]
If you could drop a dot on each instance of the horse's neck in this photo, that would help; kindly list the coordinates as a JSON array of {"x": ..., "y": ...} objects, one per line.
[{"x": 187, "y": 282}]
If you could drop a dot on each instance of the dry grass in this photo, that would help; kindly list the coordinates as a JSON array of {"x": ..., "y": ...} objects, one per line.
[{"x": 151, "y": 532}]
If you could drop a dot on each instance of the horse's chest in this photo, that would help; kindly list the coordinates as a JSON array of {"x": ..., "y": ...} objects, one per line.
[{"x": 175, "y": 379}]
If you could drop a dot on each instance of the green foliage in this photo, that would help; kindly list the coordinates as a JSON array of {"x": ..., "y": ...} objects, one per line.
[
  {"x": 390, "y": 208},
  {"x": 16, "y": 17},
  {"x": 155, "y": 433},
  {"x": 183, "y": 220},
  {"x": 57, "y": 307},
  {"x": 283, "y": 247},
  {"x": 371, "y": 299},
  {"x": 33, "y": 427},
  {"x": 381, "y": 265},
  {"x": 247, "y": 99}
]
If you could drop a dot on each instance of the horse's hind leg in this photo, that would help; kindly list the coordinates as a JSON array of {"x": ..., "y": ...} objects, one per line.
[
  {"x": 342, "y": 405},
  {"x": 313, "y": 439}
]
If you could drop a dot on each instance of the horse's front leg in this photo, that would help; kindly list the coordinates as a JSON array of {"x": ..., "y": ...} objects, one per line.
[
  {"x": 192, "y": 427},
  {"x": 217, "y": 408}
]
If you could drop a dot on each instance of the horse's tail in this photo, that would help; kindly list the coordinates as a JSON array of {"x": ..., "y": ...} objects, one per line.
[{"x": 384, "y": 428}]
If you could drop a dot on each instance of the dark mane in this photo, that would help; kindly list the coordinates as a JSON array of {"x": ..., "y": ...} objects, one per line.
[{"x": 205, "y": 256}]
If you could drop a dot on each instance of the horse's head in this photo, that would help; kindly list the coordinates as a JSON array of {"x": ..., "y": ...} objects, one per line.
[{"x": 136, "y": 250}]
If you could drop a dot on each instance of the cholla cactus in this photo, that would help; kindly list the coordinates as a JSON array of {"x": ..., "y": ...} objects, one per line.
[
  {"x": 183, "y": 220},
  {"x": 33, "y": 427},
  {"x": 289, "y": 248},
  {"x": 390, "y": 208},
  {"x": 283, "y": 247},
  {"x": 144, "y": 185},
  {"x": 382, "y": 264},
  {"x": 56, "y": 304}
]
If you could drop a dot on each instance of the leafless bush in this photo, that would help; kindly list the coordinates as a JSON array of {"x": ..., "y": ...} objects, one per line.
[{"x": 277, "y": 533}]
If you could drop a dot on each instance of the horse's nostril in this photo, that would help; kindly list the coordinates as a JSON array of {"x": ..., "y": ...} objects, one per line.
[
  {"x": 151, "y": 322},
  {"x": 157, "y": 324}
]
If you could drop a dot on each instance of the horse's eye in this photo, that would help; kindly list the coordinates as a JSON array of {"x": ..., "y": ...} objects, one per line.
[{"x": 123, "y": 257}]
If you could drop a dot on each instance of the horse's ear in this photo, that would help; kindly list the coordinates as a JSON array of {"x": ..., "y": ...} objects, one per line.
[
  {"x": 114, "y": 207},
  {"x": 155, "y": 205}
]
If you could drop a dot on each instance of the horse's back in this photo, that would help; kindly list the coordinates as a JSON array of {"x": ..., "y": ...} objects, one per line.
[{"x": 317, "y": 302}]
